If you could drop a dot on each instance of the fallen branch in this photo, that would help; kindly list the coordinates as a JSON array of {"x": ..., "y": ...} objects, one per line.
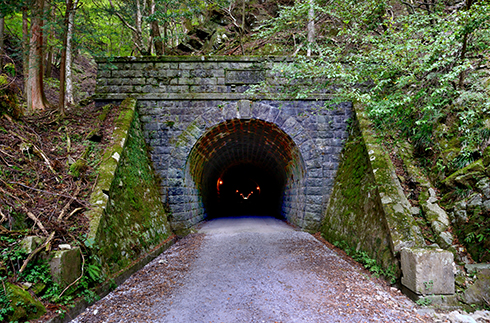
[
  {"x": 57, "y": 194},
  {"x": 32, "y": 254},
  {"x": 60, "y": 217},
  {"x": 4, "y": 218},
  {"x": 3, "y": 230},
  {"x": 83, "y": 265},
  {"x": 6, "y": 163},
  {"x": 73, "y": 212},
  {"x": 36, "y": 220},
  {"x": 41, "y": 153}
]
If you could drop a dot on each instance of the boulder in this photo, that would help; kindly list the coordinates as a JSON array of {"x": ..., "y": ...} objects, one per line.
[
  {"x": 25, "y": 307},
  {"x": 483, "y": 187},
  {"x": 479, "y": 292},
  {"x": 466, "y": 177}
]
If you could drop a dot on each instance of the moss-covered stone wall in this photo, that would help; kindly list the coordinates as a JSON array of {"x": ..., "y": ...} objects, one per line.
[
  {"x": 354, "y": 214},
  {"x": 131, "y": 220},
  {"x": 367, "y": 208}
]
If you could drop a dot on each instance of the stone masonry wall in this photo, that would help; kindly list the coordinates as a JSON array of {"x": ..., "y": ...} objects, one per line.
[{"x": 180, "y": 99}]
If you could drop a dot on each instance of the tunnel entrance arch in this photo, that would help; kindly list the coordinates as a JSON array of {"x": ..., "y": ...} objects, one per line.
[
  {"x": 180, "y": 99},
  {"x": 247, "y": 167},
  {"x": 294, "y": 144}
]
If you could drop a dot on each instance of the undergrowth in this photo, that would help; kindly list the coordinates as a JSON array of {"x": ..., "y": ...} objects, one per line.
[
  {"x": 38, "y": 276},
  {"x": 370, "y": 264}
]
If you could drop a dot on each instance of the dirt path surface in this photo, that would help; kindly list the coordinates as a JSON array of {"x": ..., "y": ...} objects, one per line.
[{"x": 251, "y": 270}]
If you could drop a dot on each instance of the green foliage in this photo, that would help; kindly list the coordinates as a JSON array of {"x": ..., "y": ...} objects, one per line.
[
  {"x": 476, "y": 236},
  {"x": 5, "y": 305},
  {"x": 369, "y": 263},
  {"x": 408, "y": 69},
  {"x": 424, "y": 301},
  {"x": 12, "y": 255}
]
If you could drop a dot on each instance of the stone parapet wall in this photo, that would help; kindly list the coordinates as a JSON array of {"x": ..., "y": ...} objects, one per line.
[{"x": 193, "y": 78}]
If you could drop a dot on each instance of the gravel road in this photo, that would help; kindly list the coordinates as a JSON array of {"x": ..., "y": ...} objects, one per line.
[{"x": 251, "y": 270}]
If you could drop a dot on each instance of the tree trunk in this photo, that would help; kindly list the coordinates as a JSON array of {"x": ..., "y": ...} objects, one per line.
[
  {"x": 62, "y": 94},
  {"x": 69, "y": 50},
  {"x": 137, "y": 29},
  {"x": 155, "y": 32},
  {"x": 25, "y": 54},
  {"x": 311, "y": 27},
  {"x": 49, "y": 47},
  {"x": 36, "y": 91},
  {"x": 464, "y": 48},
  {"x": 243, "y": 27},
  {"x": 2, "y": 44}
]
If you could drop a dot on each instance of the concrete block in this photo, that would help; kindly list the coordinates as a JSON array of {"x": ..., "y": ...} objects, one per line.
[
  {"x": 427, "y": 271},
  {"x": 30, "y": 243},
  {"x": 66, "y": 266}
]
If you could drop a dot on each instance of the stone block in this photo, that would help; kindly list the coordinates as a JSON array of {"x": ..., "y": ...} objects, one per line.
[
  {"x": 427, "y": 271},
  {"x": 479, "y": 291},
  {"x": 30, "y": 243},
  {"x": 244, "y": 108},
  {"x": 66, "y": 266}
]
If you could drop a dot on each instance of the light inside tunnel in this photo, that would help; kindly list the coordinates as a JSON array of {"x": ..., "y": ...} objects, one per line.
[{"x": 246, "y": 167}]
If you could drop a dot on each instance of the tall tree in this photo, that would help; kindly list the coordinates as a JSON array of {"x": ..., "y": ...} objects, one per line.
[
  {"x": 51, "y": 15},
  {"x": 69, "y": 49},
  {"x": 156, "y": 37},
  {"x": 25, "y": 52},
  {"x": 62, "y": 94},
  {"x": 2, "y": 37},
  {"x": 36, "y": 99},
  {"x": 137, "y": 26}
]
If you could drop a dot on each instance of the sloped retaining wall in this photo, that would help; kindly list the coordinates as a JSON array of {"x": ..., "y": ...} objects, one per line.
[
  {"x": 367, "y": 208},
  {"x": 128, "y": 219}
]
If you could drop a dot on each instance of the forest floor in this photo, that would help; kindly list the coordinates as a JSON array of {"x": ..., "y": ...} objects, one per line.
[{"x": 48, "y": 168}]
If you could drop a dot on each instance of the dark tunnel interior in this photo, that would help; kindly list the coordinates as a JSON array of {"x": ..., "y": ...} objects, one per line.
[
  {"x": 245, "y": 189},
  {"x": 242, "y": 167}
]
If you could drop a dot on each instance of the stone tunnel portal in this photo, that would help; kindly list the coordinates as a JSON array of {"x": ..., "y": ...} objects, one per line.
[{"x": 246, "y": 167}]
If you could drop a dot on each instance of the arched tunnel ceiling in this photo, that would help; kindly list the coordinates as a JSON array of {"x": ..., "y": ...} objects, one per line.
[{"x": 240, "y": 141}]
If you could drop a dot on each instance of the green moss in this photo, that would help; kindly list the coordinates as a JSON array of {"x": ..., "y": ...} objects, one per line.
[
  {"x": 25, "y": 307},
  {"x": 105, "y": 111},
  {"x": 466, "y": 177},
  {"x": 78, "y": 167},
  {"x": 354, "y": 214},
  {"x": 137, "y": 221}
]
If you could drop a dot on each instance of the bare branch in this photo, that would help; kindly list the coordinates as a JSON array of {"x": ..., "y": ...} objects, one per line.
[{"x": 32, "y": 254}]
